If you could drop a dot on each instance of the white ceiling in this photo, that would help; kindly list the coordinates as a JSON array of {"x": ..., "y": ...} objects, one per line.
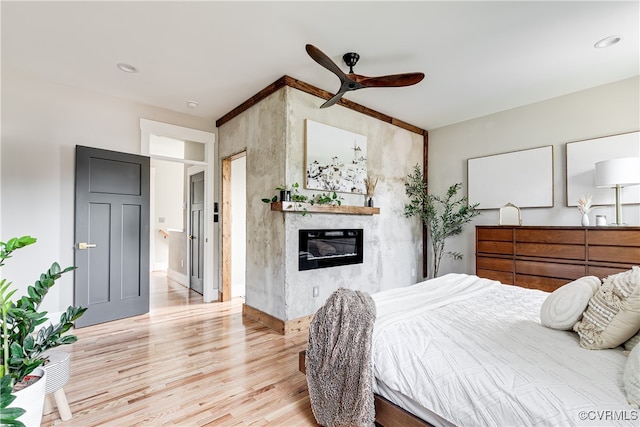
[{"x": 479, "y": 57}]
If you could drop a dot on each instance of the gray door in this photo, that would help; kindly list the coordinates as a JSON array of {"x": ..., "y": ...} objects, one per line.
[
  {"x": 112, "y": 235},
  {"x": 196, "y": 234}
]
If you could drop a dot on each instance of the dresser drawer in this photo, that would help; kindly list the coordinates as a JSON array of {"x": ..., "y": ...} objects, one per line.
[
  {"x": 574, "y": 237},
  {"x": 501, "y": 276},
  {"x": 545, "y": 250},
  {"x": 614, "y": 237},
  {"x": 547, "y": 284},
  {"x": 497, "y": 234},
  {"x": 604, "y": 272},
  {"x": 615, "y": 254},
  {"x": 550, "y": 269},
  {"x": 499, "y": 264},
  {"x": 491, "y": 247}
]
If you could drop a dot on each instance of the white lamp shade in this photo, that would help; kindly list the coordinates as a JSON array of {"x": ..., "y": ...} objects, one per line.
[{"x": 622, "y": 172}]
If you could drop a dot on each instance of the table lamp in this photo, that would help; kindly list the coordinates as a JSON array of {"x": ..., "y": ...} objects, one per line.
[{"x": 618, "y": 173}]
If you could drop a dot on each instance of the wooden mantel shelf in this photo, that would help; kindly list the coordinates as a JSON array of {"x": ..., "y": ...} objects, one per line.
[{"x": 295, "y": 207}]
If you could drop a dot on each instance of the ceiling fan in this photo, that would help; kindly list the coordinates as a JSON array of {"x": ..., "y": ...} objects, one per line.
[{"x": 354, "y": 81}]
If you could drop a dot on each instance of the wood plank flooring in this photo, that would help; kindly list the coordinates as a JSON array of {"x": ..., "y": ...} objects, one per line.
[{"x": 185, "y": 363}]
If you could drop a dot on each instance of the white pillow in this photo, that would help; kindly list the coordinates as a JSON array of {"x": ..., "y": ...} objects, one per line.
[
  {"x": 632, "y": 342},
  {"x": 613, "y": 314},
  {"x": 631, "y": 377},
  {"x": 564, "y": 307}
]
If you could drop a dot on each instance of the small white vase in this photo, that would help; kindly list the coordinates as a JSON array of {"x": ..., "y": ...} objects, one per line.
[
  {"x": 585, "y": 220},
  {"x": 31, "y": 399}
]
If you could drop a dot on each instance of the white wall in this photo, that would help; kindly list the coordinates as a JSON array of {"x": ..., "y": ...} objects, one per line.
[
  {"x": 167, "y": 210},
  {"x": 593, "y": 113},
  {"x": 41, "y": 125},
  {"x": 238, "y": 226}
]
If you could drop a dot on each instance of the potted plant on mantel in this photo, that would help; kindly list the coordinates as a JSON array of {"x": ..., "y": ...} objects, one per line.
[
  {"x": 23, "y": 347},
  {"x": 298, "y": 199}
]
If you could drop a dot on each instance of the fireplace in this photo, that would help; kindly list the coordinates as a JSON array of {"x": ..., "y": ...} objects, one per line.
[{"x": 329, "y": 248}]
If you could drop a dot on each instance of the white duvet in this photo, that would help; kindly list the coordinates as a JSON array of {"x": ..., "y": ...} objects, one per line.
[{"x": 473, "y": 352}]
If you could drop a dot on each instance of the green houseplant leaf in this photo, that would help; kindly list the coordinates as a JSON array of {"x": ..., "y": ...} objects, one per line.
[
  {"x": 22, "y": 346},
  {"x": 8, "y": 416}
]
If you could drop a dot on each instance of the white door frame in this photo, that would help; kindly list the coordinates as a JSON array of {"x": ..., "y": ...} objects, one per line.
[{"x": 150, "y": 127}]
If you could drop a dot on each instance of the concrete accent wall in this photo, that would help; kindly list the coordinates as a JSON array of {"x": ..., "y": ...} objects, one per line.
[
  {"x": 273, "y": 132},
  {"x": 262, "y": 132},
  {"x": 602, "y": 111}
]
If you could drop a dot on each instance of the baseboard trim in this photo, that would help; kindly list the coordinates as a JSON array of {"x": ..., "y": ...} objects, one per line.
[
  {"x": 283, "y": 327},
  {"x": 178, "y": 277}
]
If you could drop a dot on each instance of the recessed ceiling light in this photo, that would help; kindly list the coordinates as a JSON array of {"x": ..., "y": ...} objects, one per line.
[
  {"x": 607, "y": 41},
  {"x": 192, "y": 104},
  {"x": 127, "y": 68}
]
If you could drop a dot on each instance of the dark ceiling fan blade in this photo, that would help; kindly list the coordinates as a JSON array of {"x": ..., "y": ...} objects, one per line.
[
  {"x": 335, "y": 98},
  {"x": 393, "y": 80},
  {"x": 352, "y": 81},
  {"x": 322, "y": 59}
]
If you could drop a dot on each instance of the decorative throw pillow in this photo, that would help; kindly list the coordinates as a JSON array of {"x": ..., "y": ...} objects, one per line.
[
  {"x": 631, "y": 377},
  {"x": 564, "y": 306},
  {"x": 613, "y": 314},
  {"x": 632, "y": 342}
]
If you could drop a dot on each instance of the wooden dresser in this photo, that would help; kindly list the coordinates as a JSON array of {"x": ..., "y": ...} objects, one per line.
[{"x": 549, "y": 257}]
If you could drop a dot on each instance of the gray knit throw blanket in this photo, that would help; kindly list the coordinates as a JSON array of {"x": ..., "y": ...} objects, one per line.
[{"x": 338, "y": 360}]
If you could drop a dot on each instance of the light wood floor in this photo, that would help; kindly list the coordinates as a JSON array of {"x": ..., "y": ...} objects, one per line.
[{"x": 185, "y": 363}]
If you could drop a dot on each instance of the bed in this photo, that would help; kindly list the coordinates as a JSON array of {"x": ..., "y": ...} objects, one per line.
[{"x": 480, "y": 356}]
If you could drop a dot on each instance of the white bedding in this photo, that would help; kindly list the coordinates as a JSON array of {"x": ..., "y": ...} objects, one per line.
[{"x": 473, "y": 352}]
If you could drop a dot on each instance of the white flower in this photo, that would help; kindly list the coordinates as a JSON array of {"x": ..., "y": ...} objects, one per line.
[{"x": 584, "y": 204}]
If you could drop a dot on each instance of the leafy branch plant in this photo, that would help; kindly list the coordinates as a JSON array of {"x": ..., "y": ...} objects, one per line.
[{"x": 443, "y": 216}]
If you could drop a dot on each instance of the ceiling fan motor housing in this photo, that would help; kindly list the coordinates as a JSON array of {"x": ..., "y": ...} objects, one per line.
[{"x": 351, "y": 59}]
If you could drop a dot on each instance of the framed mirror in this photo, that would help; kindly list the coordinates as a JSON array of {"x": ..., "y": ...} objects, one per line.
[{"x": 510, "y": 215}]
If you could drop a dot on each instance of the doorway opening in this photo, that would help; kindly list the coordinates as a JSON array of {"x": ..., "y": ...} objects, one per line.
[
  {"x": 234, "y": 224},
  {"x": 167, "y": 214},
  {"x": 178, "y": 155}
]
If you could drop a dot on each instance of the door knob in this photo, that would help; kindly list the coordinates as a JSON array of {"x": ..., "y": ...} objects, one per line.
[
  {"x": 84, "y": 245},
  {"x": 190, "y": 237}
]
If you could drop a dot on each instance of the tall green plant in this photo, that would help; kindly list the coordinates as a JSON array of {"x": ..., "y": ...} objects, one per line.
[
  {"x": 443, "y": 217},
  {"x": 22, "y": 347}
]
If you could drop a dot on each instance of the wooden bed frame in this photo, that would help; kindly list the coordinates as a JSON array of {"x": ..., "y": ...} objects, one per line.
[{"x": 388, "y": 414}]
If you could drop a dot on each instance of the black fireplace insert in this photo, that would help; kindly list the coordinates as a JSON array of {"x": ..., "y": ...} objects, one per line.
[{"x": 329, "y": 248}]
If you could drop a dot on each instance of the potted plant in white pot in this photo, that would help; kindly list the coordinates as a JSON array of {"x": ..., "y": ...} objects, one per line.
[{"x": 21, "y": 354}]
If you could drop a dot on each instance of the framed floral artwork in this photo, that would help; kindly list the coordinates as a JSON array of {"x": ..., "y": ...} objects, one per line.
[{"x": 336, "y": 159}]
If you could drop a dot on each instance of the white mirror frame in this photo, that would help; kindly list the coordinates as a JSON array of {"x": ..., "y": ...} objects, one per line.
[{"x": 510, "y": 215}]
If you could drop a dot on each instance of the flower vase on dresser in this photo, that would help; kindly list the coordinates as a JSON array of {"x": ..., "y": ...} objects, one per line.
[
  {"x": 584, "y": 206},
  {"x": 585, "y": 220}
]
